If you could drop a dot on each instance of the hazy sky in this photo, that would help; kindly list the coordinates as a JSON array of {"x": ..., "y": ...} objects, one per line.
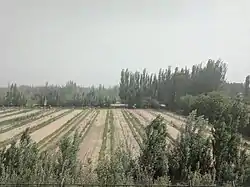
[{"x": 91, "y": 41}]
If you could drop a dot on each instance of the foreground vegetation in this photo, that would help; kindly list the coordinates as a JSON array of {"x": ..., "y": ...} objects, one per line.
[{"x": 195, "y": 159}]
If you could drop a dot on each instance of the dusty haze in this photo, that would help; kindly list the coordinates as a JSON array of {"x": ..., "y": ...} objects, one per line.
[{"x": 91, "y": 41}]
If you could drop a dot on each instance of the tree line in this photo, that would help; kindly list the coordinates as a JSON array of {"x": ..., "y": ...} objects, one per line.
[
  {"x": 168, "y": 86},
  {"x": 171, "y": 87},
  {"x": 52, "y": 95}
]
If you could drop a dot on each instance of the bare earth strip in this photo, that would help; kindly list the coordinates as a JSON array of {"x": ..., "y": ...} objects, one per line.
[
  {"x": 91, "y": 145},
  {"x": 13, "y": 124},
  {"x": 10, "y": 113},
  {"x": 52, "y": 142},
  {"x": 48, "y": 129},
  {"x": 82, "y": 122},
  {"x": 119, "y": 135},
  {"x": 144, "y": 114},
  {"x": 133, "y": 146},
  {"x": 81, "y": 126},
  {"x": 18, "y": 115},
  {"x": 6, "y": 109},
  {"x": 105, "y": 150},
  {"x": 9, "y": 134},
  {"x": 171, "y": 130}
]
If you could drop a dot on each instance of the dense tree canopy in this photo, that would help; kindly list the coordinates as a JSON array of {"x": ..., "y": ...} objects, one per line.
[{"x": 170, "y": 85}]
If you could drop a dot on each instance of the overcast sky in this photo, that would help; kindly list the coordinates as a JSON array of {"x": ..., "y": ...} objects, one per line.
[{"x": 91, "y": 41}]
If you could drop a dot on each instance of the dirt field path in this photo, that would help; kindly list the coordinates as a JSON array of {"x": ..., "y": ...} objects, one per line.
[
  {"x": 19, "y": 115},
  {"x": 119, "y": 134},
  {"x": 91, "y": 145},
  {"x": 9, "y": 134},
  {"x": 48, "y": 129},
  {"x": 171, "y": 130},
  {"x": 131, "y": 142}
]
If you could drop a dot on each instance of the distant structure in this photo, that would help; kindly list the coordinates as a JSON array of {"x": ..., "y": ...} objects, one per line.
[
  {"x": 45, "y": 102},
  {"x": 162, "y": 105},
  {"x": 119, "y": 105}
]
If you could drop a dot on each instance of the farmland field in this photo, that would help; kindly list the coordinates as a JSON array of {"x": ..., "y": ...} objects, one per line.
[{"x": 102, "y": 130}]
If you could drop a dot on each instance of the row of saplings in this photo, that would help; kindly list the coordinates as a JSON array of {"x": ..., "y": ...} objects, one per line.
[{"x": 197, "y": 158}]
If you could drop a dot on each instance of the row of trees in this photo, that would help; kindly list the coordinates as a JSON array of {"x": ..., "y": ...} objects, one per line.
[
  {"x": 140, "y": 89},
  {"x": 71, "y": 94},
  {"x": 13, "y": 97},
  {"x": 169, "y": 86},
  {"x": 68, "y": 95}
]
